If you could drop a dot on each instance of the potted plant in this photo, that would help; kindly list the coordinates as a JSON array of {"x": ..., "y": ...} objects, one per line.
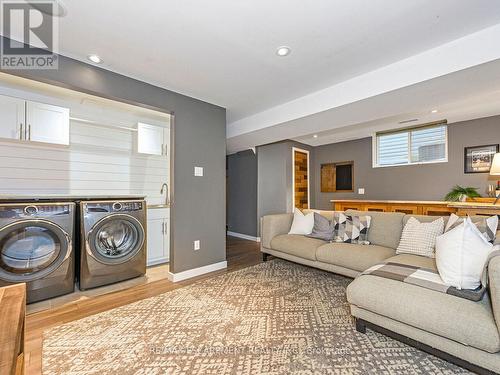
[{"x": 460, "y": 194}]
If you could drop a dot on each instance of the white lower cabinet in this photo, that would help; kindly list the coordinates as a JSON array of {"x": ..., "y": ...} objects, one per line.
[{"x": 158, "y": 236}]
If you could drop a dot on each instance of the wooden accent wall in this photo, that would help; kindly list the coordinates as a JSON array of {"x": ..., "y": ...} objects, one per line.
[
  {"x": 301, "y": 178},
  {"x": 329, "y": 177}
]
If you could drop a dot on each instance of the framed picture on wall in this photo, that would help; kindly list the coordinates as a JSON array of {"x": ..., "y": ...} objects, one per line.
[
  {"x": 478, "y": 159},
  {"x": 337, "y": 177}
]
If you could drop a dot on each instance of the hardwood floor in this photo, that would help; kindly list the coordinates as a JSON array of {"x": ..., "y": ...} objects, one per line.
[{"x": 240, "y": 254}]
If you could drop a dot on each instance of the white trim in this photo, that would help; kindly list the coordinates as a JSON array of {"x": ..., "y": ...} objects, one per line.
[
  {"x": 308, "y": 177},
  {"x": 406, "y": 164},
  {"x": 179, "y": 276},
  {"x": 244, "y": 236}
]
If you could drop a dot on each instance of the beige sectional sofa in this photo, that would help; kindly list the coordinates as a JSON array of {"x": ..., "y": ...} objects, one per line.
[{"x": 456, "y": 329}]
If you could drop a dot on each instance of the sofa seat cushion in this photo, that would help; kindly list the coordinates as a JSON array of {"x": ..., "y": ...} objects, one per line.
[
  {"x": 414, "y": 260},
  {"x": 353, "y": 256},
  {"x": 294, "y": 244},
  {"x": 467, "y": 322}
]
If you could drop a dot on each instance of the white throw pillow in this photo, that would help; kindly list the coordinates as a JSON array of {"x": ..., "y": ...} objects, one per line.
[
  {"x": 461, "y": 255},
  {"x": 302, "y": 224},
  {"x": 420, "y": 238}
]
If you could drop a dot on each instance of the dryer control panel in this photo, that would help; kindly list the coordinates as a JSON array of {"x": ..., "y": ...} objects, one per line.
[{"x": 118, "y": 206}]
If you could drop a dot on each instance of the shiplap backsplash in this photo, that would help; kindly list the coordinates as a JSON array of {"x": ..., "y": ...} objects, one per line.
[{"x": 101, "y": 158}]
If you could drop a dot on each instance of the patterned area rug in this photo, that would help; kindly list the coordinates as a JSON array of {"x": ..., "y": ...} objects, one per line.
[{"x": 273, "y": 318}]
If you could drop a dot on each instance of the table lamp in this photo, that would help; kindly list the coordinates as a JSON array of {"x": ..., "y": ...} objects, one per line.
[{"x": 495, "y": 169}]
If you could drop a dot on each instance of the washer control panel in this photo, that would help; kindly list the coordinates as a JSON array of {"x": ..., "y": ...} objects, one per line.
[{"x": 35, "y": 210}]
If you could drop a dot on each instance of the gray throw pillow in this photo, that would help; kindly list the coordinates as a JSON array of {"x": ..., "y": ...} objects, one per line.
[{"x": 323, "y": 229}]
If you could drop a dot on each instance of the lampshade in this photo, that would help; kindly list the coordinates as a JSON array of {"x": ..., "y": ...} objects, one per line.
[{"x": 495, "y": 165}]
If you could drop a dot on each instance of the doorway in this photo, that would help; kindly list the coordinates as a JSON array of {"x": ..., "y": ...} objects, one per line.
[{"x": 300, "y": 179}]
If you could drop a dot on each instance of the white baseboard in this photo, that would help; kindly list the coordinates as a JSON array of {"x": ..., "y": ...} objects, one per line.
[
  {"x": 179, "y": 276},
  {"x": 243, "y": 236}
]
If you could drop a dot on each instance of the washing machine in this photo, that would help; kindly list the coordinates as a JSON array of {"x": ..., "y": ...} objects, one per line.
[
  {"x": 36, "y": 248},
  {"x": 112, "y": 242}
]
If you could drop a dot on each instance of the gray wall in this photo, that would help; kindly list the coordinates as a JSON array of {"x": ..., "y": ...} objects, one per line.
[
  {"x": 274, "y": 182},
  {"x": 199, "y": 139},
  {"x": 409, "y": 182},
  {"x": 242, "y": 193}
]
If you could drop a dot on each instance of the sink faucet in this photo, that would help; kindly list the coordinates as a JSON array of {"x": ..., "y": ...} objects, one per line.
[{"x": 164, "y": 188}]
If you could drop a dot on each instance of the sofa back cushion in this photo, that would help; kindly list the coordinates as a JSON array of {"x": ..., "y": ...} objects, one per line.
[
  {"x": 385, "y": 227},
  {"x": 324, "y": 213},
  {"x": 424, "y": 218}
]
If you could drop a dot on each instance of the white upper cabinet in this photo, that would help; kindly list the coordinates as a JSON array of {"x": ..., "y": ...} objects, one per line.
[
  {"x": 151, "y": 139},
  {"x": 31, "y": 121},
  {"x": 47, "y": 123},
  {"x": 12, "y": 124}
]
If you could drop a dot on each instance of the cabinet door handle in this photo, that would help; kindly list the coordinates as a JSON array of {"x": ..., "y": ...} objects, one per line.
[
  {"x": 21, "y": 131},
  {"x": 163, "y": 227},
  {"x": 29, "y": 132}
]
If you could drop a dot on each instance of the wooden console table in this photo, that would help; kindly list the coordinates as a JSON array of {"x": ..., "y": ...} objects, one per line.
[
  {"x": 12, "y": 323},
  {"x": 478, "y": 209},
  {"x": 431, "y": 208}
]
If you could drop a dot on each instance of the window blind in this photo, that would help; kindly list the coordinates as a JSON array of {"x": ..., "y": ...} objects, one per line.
[{"x": 411, "y": 146}]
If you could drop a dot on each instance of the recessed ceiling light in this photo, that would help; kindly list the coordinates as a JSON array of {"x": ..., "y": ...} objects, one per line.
[
  {"x": 283, "y": 51},
  {"x": 95, "y": 59},
  {"x": 434, "y": 111},
  {"x": 315, "y": 136}
]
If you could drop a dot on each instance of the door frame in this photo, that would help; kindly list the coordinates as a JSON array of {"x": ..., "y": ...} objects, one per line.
[{"x": 308, "y": 176}]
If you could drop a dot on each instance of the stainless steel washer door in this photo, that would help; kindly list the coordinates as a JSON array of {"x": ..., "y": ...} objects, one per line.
[
  {"x": 115, "y": 239},
  {"x": 31, "y": 250}
]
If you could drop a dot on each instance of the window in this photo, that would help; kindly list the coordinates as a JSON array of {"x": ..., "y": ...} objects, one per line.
[
  {"x": 337, "y": 177},
  {"x": 419, "y": 145}
]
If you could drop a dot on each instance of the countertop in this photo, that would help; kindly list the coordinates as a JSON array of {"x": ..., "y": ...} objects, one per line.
[
  {"x": 157, "y": 206},
  {"x": 473, "y": 205},
  {"x": 65, "y": 197},
  {"x": 479, "y": 205},
  {"x": 387, "y": 201}
]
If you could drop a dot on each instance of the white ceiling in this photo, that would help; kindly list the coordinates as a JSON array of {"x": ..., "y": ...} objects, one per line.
[{"x": 223, "y": 51}]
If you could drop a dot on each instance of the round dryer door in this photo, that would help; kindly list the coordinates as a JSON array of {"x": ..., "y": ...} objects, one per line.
[
  {"x": 31, "y": 249},
  {"x": 116, "y": 239}
]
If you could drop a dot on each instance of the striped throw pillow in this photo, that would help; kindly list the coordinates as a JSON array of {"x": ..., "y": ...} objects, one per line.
[{"x": 487, "y": 226}]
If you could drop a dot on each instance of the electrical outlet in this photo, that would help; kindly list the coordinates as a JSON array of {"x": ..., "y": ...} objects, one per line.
[
  {"x": 198, "y": 171},
  {"x": 196, "y": 245},
  {"x": 361, "y": 191}
]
